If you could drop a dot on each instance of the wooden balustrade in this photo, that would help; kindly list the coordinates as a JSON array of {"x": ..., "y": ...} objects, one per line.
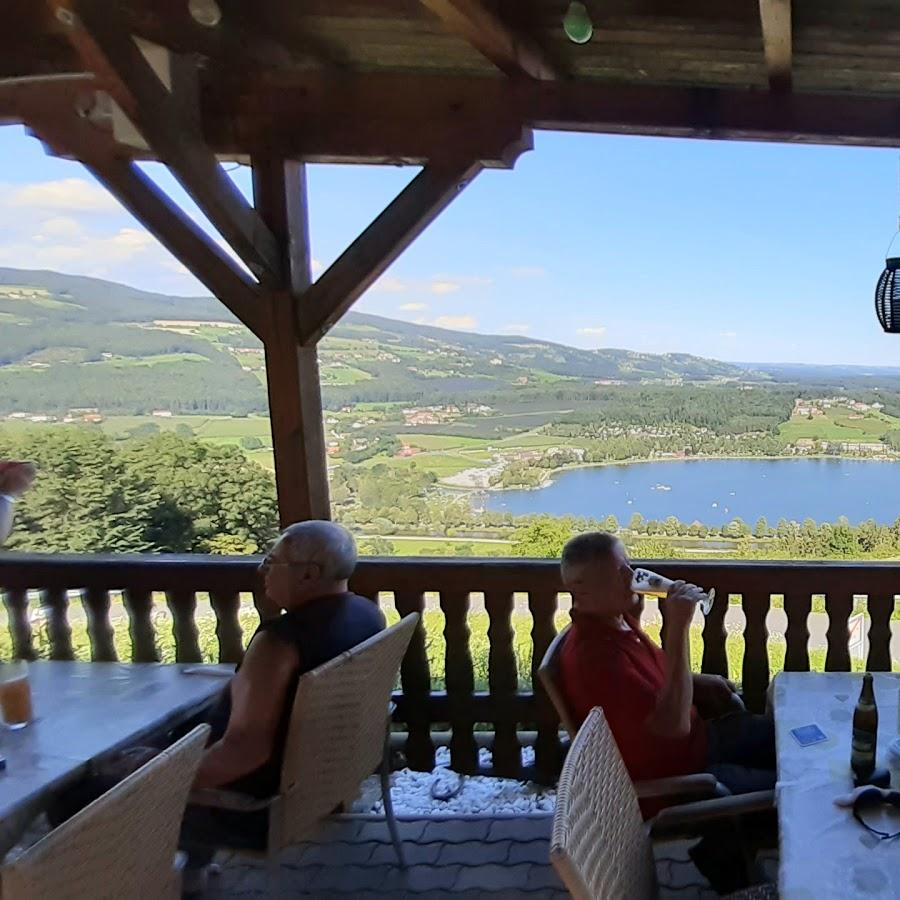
[{"x": 41, "y": 598}]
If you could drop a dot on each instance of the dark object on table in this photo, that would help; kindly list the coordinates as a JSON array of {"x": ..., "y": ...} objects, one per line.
[
  {"x": 878, "y": 777},
  {"x": 865, "y": 733}
]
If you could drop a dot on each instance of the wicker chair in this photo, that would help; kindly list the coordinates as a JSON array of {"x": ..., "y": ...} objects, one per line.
[
  {"x": 338, "y": 735},
  {"x": 600, "y": 847},
  {"x": 123, "y": 846},
  {"x": 677, "y": 789}
]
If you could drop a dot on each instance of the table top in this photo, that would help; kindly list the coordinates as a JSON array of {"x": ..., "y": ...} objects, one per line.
[
  {"x": 84, "y": 711},
  {"x": 825, "y": 853}
]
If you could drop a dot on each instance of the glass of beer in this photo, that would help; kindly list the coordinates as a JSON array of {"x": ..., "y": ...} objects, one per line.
[
  {"x": 646, "y": 582},
  {"x": 15, "y": 695}
]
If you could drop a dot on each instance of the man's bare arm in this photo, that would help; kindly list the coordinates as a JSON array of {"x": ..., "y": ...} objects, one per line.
[
  {"x": 672, "y": 716},
  {"x": 258, "y": 696}
]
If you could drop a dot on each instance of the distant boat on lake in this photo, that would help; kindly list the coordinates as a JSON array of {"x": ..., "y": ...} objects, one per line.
[{"x": 661, "y": 487}]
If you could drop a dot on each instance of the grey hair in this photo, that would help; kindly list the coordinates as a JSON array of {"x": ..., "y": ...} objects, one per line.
[
  {"x": 330, "y": 546},
  {"x": 588, "y": 548}
]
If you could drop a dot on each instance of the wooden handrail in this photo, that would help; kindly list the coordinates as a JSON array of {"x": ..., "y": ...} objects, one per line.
[{"x": 510, "y": 704}]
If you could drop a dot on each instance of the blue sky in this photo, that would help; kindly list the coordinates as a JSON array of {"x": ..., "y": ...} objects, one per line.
[{"x": 739, "y": 251}]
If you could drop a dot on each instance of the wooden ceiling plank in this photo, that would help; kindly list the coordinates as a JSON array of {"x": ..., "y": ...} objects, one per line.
[
  {"x": 513, "y": 53},
  {"x": 323, "y": 304},
  {"x": 170, "y": 126},
  {"x": 60, "y": 125},
  {"x": 775, "y": 19}
]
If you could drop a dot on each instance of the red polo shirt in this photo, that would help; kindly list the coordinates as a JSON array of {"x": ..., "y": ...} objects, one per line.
[{"x": 624, "y": 673}]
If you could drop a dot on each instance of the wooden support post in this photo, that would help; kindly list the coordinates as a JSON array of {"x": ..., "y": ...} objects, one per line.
[{"x": 292, "y": 370}]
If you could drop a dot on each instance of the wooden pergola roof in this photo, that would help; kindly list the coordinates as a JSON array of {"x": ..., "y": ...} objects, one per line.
[{"x": 452, "y": 85}]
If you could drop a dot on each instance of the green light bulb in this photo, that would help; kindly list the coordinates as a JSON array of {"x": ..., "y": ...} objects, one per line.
[{"x": 577, "y": 23}]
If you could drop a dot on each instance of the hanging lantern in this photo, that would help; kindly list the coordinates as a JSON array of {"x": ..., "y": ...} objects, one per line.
[
  {"x": 887, "y": 296},
  {"x": 887, "y": 291}
]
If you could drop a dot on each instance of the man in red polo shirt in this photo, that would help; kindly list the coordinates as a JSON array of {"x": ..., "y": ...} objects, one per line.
[{"x": 666, "y": 720}]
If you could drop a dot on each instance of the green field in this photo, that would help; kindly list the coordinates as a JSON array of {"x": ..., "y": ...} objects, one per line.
[
  {"x": 442, "y": 464},
  {"x": 415, "y": 546},
  {"x": 442, "y": 441},
  {"x": 836, "y": 425},
  {"x": 343, "y": 375},
  {"x": 126, "y": 362}
]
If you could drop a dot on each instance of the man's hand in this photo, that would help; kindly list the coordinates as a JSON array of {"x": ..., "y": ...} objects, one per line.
[
  {"x": 714, "y": 696},
  {"x": 681, "y": 602},
  {"x": 15, "y": 477}
]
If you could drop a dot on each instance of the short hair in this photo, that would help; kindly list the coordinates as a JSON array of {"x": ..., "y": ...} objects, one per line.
[
  {"x": 591, "y": 547},
  {"x": 329, "y": 545}
]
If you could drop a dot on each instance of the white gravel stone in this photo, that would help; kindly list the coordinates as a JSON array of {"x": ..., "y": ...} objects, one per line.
[{"x": 477, "y": 794}]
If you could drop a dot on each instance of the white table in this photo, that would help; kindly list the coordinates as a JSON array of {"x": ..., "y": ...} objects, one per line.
[
  {"x": 84, "y": 711},
  {"x": 825, "y": 852}
]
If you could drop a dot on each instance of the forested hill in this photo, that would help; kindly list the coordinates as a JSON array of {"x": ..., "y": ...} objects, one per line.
[{"x": 74, "y": 342}]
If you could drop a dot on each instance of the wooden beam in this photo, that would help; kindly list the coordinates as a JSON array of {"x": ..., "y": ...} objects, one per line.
[
  {"x": 775, "y": 19},
  {"x": 392, "y": 117},
  {"x": 98, "y": 32},
  {"x": 401, "y": 222},
  {"x": 515, "y": 54},
  {"x": 292, "y": 370},
  {"x": 61, "y": 125}
]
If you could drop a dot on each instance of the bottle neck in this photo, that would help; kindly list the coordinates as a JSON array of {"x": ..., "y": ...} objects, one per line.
[{"x": 867, "y": 695}]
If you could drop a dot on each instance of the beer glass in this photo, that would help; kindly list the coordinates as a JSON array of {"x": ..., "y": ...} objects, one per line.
[
  {"x": 646, "y": 582},
  {"x": 15, "y": 695}
]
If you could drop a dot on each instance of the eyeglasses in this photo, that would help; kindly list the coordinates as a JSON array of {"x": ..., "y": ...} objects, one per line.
[{"x": 267, "y": 564}]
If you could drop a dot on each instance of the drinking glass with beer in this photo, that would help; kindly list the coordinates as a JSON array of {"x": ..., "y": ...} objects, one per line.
[
  {"x": 15, "y": 695},
  {"x": 646, "y": 582}
]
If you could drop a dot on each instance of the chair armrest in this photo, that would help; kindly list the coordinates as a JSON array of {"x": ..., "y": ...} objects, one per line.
[
  {"x": 700, "y": 786},
  {"x": 688, "y": 815},
  {"x": 227, "y": 800}
]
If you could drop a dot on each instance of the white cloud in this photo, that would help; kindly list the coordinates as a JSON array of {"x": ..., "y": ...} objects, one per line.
[
  {"x": 316, "y": 266},
  {"x": 445, "y": 287},
  {"x": 528, "y": 272},
  {"x": 597, "y": 331},
  {"x": 517, "y": 328},
  {"x": 59, "y": 228},
  {"x": 64, "y": 195},
  {"x": 414, "y": 307},
  {"x": 728, "y": 334},
  {"x": 457, "y": 323},
  {"x": 388, "y": 285}
]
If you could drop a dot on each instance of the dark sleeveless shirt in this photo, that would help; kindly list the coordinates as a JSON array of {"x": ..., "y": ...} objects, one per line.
[{"x": 320, "y": 630}]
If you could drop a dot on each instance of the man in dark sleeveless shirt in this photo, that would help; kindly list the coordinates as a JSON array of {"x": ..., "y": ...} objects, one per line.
[{"x": 306, "y": 574}]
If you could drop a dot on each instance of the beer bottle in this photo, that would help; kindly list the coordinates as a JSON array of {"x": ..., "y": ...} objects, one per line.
[{"x": 865, "y": 732}]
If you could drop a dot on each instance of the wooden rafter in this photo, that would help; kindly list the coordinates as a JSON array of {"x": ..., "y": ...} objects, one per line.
[
  {"x": 513, "y": 53},
  {"x": 401, "y": 222},
  {"x": 384, "y": 116},
  {"x": 169, "y": 121},
  {"x": 61, "y": 125},
  {"x": 775, "y": 19}
]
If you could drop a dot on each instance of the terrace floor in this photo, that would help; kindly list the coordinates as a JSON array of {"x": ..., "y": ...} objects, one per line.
[{"x": 479, "y": 857}]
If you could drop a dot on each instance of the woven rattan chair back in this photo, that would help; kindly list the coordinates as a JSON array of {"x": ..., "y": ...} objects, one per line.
[
  {"x": 120, "y": 847},
  {"x": 336, "y": 735},
  {"x": 548, "y": 672},
  {"x": 600, "y": 847}
]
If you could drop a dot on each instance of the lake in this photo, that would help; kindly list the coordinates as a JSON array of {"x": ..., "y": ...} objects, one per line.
[{"x": 715, "y": 491}]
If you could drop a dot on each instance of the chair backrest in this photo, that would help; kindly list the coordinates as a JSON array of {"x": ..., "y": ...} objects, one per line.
[
  {"x": 121, "y": 846},
  {"x": 337, "y": 731},
  {"x": 600, "y": 847},
  {"x": 548, "y": 672}
]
